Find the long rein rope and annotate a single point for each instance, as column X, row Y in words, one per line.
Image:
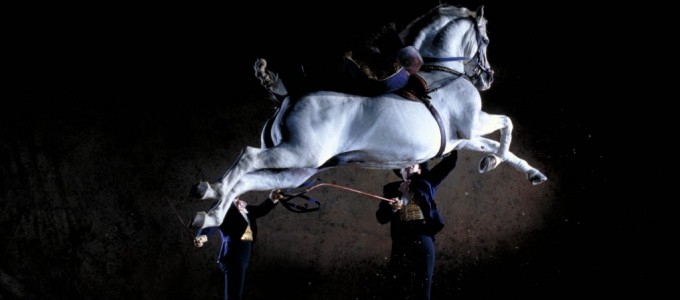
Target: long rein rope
column 291, row 196
column 288, row 198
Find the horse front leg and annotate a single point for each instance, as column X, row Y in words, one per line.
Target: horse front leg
column 488, row 124
column 488, row 163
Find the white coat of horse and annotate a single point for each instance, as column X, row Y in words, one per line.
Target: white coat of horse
column 328, row 129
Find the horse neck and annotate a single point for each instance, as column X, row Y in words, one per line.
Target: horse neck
column 443, row 55
column 456, row 45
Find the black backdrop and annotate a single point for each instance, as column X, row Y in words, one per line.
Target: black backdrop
column 103, row 96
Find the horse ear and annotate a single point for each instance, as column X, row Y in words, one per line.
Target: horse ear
column 480, row 13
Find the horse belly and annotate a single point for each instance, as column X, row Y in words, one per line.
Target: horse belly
column 394, row 131
column 373, row 132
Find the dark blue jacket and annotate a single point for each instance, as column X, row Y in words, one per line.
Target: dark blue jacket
column 425, row 186
column 234, row 225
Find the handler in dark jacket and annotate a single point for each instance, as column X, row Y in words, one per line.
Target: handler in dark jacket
column 414, row 221
column 239, row 232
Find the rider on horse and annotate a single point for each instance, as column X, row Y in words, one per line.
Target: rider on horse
column 384, row 65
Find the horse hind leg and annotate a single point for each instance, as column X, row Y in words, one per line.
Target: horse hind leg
column 219, row 191
column 207, row 191
column 251, row 159
column 204, row 190
column 261, row 180
column 279, row 157
column 264, row 180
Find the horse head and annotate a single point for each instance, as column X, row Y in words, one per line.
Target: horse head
column 456, row 38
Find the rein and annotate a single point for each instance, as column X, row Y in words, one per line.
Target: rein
column 305, row 208
column 456, row 75
column 291, row 196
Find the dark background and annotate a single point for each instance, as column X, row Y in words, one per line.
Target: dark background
column 113, row 111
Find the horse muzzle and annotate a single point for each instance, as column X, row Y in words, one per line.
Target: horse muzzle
column 484, row 79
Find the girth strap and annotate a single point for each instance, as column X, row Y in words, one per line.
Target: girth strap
column 267, row 131
column 417, row 89
column 437, row 118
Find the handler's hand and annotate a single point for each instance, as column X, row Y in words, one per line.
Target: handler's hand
column 200, row 240
column 397, row 204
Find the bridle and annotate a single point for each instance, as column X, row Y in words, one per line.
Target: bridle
column 479, row 68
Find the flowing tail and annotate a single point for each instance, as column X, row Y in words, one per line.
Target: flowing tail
column 270, row 81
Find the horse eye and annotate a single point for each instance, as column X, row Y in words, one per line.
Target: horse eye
column 485, row 40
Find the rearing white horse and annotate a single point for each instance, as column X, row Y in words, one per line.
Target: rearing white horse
column 328, row 129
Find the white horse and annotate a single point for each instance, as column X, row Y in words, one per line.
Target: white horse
column 328, row 129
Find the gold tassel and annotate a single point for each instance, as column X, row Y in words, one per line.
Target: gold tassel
column 248, row 235
column 411, row 212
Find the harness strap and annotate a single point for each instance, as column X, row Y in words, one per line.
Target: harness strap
column 456, row 75
column 267, row 132
column 303, row 208
column 442, row 130
column 426, row 100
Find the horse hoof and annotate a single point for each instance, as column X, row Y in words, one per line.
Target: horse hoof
column 488, row 163
column 536, row 177
column 197, row 221
column 200, row 191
